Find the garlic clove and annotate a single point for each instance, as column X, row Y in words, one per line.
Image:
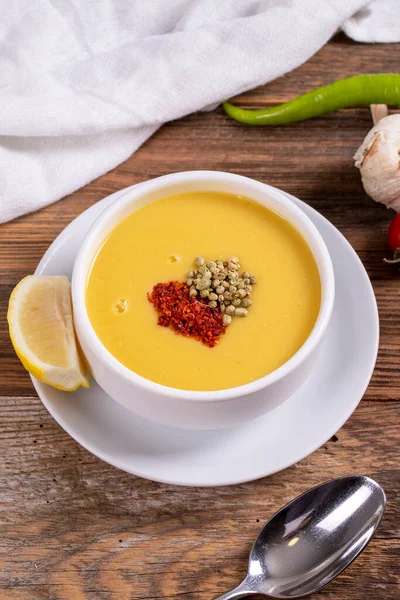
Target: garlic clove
column 378, row 159
column 378, row 112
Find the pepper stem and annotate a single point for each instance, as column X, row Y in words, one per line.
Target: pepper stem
column 395, row 259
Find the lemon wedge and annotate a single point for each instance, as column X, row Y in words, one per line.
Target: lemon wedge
column 42, row 331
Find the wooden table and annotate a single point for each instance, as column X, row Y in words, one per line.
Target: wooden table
column 75, row 528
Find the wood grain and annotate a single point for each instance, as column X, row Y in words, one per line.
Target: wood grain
column 90, row 531
column 73, row 527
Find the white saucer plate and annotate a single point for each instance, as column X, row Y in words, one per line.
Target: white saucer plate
column 246, row 452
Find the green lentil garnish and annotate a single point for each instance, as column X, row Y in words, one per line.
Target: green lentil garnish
column 221, row 285
column 227, row 319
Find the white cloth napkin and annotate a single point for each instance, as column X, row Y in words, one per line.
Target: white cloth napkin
column 84, row 84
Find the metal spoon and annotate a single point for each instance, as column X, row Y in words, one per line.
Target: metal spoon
column 312, row 539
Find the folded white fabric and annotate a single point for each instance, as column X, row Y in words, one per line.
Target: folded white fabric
column 84, row 84
column 379, row 21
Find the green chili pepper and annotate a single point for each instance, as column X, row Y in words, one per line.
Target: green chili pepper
column 353, row 91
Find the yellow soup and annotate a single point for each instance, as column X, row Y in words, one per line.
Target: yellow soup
column 158, row 243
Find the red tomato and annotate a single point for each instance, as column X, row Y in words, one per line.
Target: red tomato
column 394, row 233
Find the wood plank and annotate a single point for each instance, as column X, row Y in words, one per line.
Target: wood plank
column 76, row 528
column 340, row 58
column 311, row 160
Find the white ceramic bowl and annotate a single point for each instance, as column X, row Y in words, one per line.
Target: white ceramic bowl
column 183, row 408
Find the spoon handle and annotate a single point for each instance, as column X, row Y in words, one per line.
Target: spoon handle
column 241, row 591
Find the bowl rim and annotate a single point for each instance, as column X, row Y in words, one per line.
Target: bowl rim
column 80, row 273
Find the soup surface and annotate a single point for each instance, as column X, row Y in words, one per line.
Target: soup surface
column 158, row 243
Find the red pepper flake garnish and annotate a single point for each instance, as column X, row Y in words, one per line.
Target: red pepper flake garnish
column 185, row 314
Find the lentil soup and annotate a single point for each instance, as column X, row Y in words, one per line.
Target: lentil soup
column 158, row 243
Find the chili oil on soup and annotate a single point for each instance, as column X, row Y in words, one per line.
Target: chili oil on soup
column 158, row 243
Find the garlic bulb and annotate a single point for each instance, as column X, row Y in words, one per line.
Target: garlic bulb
column 378, row 159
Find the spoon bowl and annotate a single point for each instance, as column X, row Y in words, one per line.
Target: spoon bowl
column 312, row 539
